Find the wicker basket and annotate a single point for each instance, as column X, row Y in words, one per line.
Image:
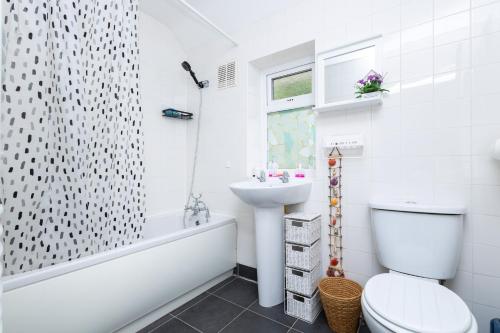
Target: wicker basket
column 341, row 299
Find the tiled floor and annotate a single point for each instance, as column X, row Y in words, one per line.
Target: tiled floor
column 231, row 306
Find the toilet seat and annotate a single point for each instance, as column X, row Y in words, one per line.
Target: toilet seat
column 404, row 303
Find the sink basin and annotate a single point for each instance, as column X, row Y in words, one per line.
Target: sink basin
column 271, row 194
column 268, row 199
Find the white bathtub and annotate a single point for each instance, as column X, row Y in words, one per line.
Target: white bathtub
column 104, row 292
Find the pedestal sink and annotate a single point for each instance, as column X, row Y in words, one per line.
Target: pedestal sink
column 268, row 200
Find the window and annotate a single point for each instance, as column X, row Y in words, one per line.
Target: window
column 291, row 137
column 291, row 129
column 290, row 89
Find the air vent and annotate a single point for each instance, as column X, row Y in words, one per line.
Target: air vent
column 226, row 75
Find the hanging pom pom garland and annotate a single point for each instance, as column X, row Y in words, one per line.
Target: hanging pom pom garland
column 335, row 268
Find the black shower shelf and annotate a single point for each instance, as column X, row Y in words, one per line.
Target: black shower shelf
column 173, row 113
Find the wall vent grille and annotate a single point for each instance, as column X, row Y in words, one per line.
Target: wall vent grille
column 226, row 75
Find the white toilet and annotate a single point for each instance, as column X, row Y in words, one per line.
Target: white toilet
column 421, row 246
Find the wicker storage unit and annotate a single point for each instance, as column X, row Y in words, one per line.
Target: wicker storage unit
column 302, row 261
column 341, row 300
column 302, row 282
column 302, row 228
column 303, row 307
column 302, row 256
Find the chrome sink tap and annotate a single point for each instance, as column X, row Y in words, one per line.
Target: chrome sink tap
column 262, row 176
column 286, row 177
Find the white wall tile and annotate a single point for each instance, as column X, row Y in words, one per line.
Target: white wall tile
column 486, row 290
column 455, row 195
column 452, row 112
column 466, row 258
column 483, row 264
column 387, row 20
column 391, row 67
column 484, row 80
column 418, row 143
column 483, row 138
column 414, row 12
column 486, row 110
column 485, row 49
column 485, row 170
column 485, row 200
column 477, row 3
column 414, row 117
column 448, row 7
column 452, row 28
column 391, row 44
column 486, row 229
column 485, row 19
column 453, row 141
column 356, row 238
column 417, row 64
column 452, row 170
column 452, row 57
column 418, row 37
column 417, row 91
column 453, row 85
column 357, row 261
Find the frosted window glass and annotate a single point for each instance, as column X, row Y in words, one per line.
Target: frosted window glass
column 291, row 138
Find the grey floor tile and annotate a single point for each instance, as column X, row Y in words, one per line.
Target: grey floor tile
column 276, row 312
column 189, row 304
column 175, row 326
column 211, row 314
column 239, row 291
column 155, row 324
column 320, row 325
column 250, row 322
column 220, row 284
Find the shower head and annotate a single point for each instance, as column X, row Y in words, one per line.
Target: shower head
column 187, row 68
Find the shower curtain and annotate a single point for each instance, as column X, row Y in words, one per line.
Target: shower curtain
column 70, row 130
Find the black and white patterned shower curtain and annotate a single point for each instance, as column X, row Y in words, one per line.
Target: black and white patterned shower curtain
column 71, row 133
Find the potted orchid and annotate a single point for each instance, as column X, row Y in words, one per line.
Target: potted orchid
column 370, row 85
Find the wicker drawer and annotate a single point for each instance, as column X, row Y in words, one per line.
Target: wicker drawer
column 302, row 282
column 303, row 257
column 302, row 232
column 302, row 307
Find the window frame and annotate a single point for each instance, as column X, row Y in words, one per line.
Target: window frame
column 266, row 91
column 293, row 102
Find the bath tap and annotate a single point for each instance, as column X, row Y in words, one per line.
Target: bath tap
column 198, row 207
column 286, row 177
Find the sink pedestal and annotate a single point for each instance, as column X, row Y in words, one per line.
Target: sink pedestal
column 269, row 199
column 270, row 254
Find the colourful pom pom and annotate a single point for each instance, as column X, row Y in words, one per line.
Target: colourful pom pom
column 332, row 162
column 334, row 201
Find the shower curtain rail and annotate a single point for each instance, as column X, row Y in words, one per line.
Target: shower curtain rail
column 207, row 21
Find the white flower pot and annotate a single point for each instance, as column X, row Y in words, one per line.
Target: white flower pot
column 371, row 95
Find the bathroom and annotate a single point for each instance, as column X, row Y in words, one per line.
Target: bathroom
column 103, row 226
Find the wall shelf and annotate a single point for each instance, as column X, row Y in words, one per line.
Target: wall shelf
column 354, row 103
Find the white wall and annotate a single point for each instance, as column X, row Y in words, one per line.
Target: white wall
column 428, row 142
column 163, row 84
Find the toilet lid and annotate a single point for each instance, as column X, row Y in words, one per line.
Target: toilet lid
column 416, row 304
